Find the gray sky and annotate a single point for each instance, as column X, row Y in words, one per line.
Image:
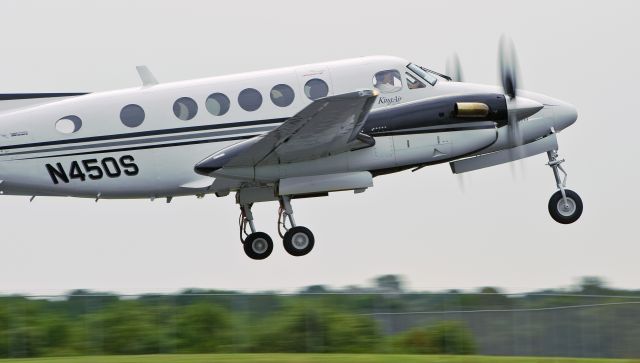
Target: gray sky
column 494, row 231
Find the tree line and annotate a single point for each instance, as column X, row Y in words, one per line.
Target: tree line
column 384, row 318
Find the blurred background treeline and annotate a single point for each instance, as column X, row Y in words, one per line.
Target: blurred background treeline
column 586, row 320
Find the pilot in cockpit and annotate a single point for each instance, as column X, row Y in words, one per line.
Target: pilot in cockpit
column 386, row 81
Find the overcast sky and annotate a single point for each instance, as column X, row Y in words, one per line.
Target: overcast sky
column 495, row 230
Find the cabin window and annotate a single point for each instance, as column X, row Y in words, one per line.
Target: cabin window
column 250, row 99
column 185, row 108
column 132, row 115
column 69, row 124
column 218, row 104
column 282, row 95
column 413, row 83
column 387, row 81
column 316, row 88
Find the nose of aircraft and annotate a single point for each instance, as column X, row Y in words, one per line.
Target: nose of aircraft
column 565, row 115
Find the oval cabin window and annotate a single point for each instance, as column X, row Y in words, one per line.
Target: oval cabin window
column 250, row 99
column 132, row 115
column 282, row 95
column 217, row 104
column 185, row 108
column 69, row 124
column 316, row 88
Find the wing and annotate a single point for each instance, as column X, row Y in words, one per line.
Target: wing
column 327, row 126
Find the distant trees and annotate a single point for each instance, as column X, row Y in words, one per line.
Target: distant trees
column 123, row 328
column 444, row 337
column 390, row 283
column 203, row 328
column 378, row 318
column 309, row 327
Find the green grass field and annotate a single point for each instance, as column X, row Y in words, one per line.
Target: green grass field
column 311, row 358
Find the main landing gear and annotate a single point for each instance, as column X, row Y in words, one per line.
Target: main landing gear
column 297, row 240
column 565, row 206
column 257, row 245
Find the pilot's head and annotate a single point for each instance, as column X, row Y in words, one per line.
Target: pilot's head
column 384, row 77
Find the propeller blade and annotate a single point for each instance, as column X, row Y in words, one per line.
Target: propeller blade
column 454, row 69
column 508, row 66
column 515, row 134
column 519, row 108
column 461, row 183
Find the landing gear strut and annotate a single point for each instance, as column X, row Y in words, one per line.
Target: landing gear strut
column 297, row 240
column 257, row 245
column 565, row 206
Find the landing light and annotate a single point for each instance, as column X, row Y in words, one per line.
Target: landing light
column 471, row 109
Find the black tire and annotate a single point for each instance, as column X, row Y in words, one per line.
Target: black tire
column 298, row 241
column 556, row 207
column 258, row 246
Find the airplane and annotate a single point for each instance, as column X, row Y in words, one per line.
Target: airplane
column 277, row 135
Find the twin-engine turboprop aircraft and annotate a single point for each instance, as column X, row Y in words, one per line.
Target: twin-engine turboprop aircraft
column 276, row 135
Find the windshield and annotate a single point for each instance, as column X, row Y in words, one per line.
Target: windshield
column 423, row 73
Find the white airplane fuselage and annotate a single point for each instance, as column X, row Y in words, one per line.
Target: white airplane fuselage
column 107, row 159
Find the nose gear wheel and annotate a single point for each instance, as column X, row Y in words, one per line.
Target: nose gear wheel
column 565, row 206
column 565, row 210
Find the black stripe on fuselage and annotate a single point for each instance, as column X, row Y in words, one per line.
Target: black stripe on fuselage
column 30, row 96
column 147, row 140
column 145, row 133
column 435, row 130
column 244, row 137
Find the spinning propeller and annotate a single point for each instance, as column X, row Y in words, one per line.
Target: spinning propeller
column 508, row 68
column 519, row 108
column 454, row 69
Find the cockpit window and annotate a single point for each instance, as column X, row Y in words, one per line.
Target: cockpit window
column 413, row 82
column 423, row 73
column 387, row 81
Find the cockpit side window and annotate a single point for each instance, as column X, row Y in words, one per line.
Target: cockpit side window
column 422, row 73
column 387, row 81
column 413, row 82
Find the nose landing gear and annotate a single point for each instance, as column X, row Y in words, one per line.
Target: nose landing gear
column 565, row 206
